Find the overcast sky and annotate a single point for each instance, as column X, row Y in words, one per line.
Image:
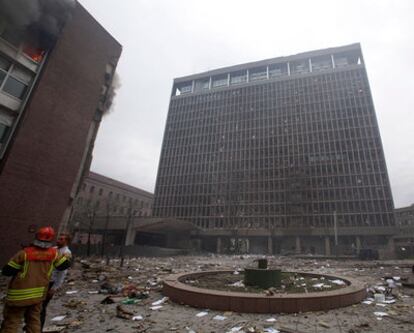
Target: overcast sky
column 164, row 39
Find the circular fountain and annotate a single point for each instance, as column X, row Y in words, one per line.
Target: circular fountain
column 263, row 290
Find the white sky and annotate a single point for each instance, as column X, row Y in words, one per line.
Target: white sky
column 164, row 39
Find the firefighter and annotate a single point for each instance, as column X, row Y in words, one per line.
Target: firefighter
column 30, row 269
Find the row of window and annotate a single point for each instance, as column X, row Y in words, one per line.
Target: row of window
column 15, row 81
column 107, row 207
column 116, row 197
column 286, row 222
column 308, row 65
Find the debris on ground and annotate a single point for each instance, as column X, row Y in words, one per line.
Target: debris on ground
column 107, row 298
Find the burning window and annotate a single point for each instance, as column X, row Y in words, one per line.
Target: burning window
column 35, row 53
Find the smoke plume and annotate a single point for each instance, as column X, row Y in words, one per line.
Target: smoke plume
column 49, row 16
column 115, row 85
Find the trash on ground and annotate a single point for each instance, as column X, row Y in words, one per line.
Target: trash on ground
column 157, row 307
column 53, row 329
column 218, row 317
column 271, row 320
column 161, row 301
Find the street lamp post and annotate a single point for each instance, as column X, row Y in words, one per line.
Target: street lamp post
column 129, row 219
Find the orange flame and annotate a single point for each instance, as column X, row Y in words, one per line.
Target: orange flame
column 34, row 53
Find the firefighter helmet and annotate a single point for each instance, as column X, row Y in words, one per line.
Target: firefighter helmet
column 45, row 234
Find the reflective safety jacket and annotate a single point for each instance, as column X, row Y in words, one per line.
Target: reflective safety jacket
column 31, row 269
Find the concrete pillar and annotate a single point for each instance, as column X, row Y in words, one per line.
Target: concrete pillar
column 333, row 61
column 327, row 246
column 269, row 245
column 130, row 236
column 358, row 244
column 219, row 245
column 297, row 245
column 391, row 248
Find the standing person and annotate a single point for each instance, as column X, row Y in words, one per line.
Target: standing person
column 31, row 269
column 58, row 277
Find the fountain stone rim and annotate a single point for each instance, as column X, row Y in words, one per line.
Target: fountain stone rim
column 182, row 293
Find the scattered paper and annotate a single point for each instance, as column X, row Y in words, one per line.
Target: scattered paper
column 218, row 317
column 389, row 301
column 271, row 330
column 137, row 318
column 235, row 329
column 157, row 307
column 380, row 314
column 161, row 301
column 93, row 292
column 338, row 282
column 239, row 284
column 70, row 292
column 202, row 314
column 58, row 318
column 367, row 302
column 271, row 320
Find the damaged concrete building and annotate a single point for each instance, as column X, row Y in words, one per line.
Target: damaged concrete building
column 277, row 156
column 56, row 71
column 107, row 199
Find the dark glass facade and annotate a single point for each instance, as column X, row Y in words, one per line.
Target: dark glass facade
column 277, row 144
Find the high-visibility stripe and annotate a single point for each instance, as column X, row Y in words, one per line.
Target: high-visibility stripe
column 61, row 261
column 14, row 264
column 25, row 291
column 24, row 297
column 23, row 294
column 52, row 266
column 25, row 267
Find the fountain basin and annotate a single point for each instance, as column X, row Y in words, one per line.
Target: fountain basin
column 182, row 293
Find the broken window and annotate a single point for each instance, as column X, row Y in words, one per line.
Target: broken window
column 203, row 84
column 346, row 59
column 259, row 73
column 238, row 77
column 183, row 88
column 300, row 67
column 277, row 70
column 220, row 81
column 322, row 63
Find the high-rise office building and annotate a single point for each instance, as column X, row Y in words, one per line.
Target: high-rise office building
column 286, row 149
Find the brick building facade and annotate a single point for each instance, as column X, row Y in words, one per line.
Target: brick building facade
column 52, row 99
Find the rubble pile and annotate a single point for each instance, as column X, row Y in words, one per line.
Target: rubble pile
column 100, row 297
